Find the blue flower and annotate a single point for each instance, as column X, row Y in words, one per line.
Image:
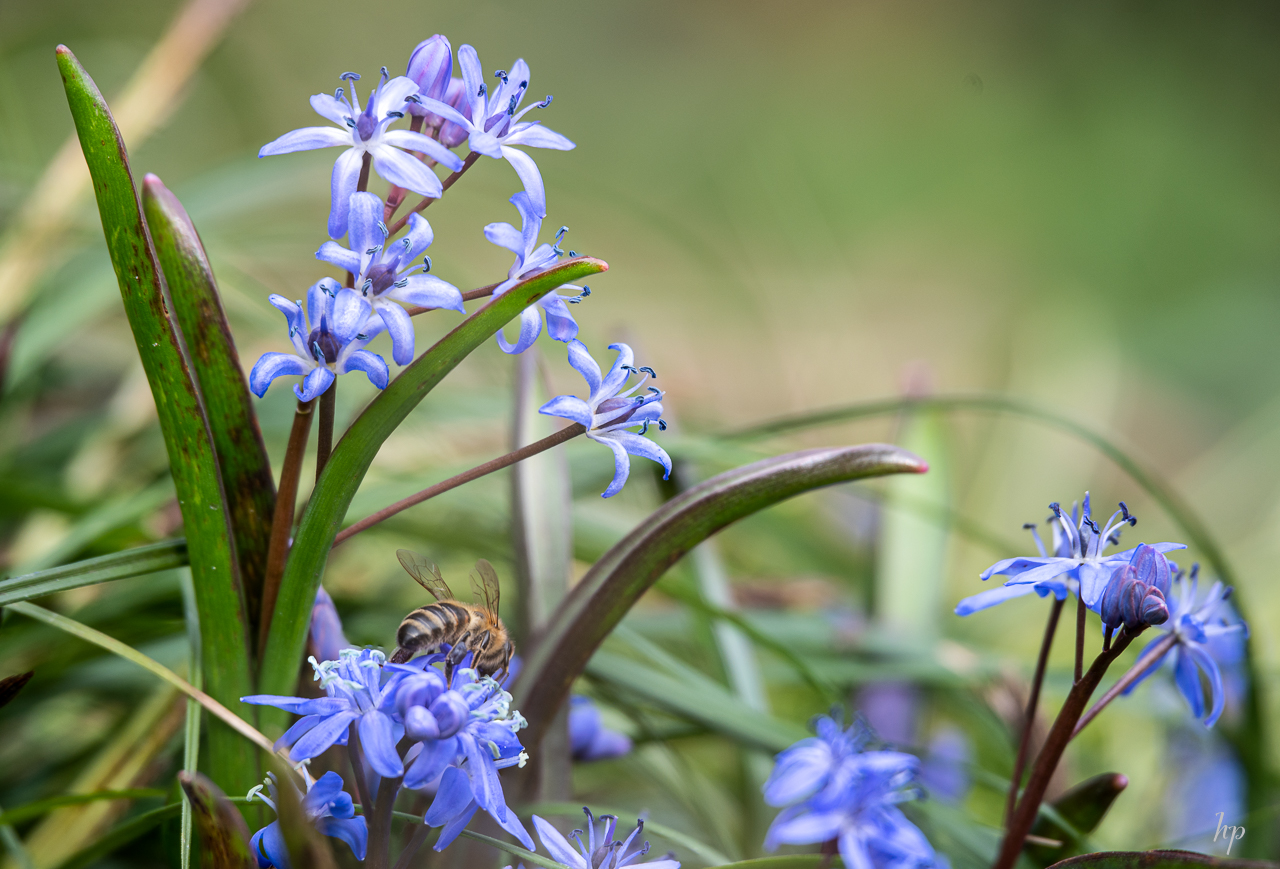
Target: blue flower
column 1136, row 595
column 326, row 805
column 463, row 734
column 328, row 339
column 431, row 68
column 1204, row 626
column 494, row 126
column 608, row 411
column 1078, row 564
column 532, row 257
column 364, row 131
column 832, row 790
column 600, row 852
column 589, row 739
column 359, row 690
column 386, row 274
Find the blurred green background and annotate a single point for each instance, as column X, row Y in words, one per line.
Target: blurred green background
column 802, row 205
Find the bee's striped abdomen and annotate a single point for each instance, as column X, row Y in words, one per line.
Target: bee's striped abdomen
column 429, row 626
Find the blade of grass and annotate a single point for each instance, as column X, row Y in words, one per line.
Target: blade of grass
column 355, row 453
column 191, row 732
column 237, row 439
column 183, row 421
column 105, row 568
column 43, row 807
column 88, row 634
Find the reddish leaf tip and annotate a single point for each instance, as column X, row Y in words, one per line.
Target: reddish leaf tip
column 922, row 468
column 63, row 50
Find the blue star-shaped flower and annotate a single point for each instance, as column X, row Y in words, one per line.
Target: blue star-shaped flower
column 326, row 805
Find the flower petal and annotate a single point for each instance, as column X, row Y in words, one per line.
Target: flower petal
column 400, row 328
column 419, row 238
column 639, row 445
column 436, row 754
column 320, row 379
column 429, row 292
column 1217, row 696
column 455, row 827
column 346, row 176
column 452, row 797
column 991, row 597
column 568, row 407
column 411, row 141
column 350, row 310
column 366, row 234
column 379, row 744
column 530, row 329
column 332, row 252
column 353, row 831
column 322, row 736
column 299, row 727
column 621, row 464
column 529, row 176
column 618, row 373
column 473, row 81
column 392, row 94
column 446, row 111
column 1188, row 680
column 506, row 235
column 557, row 845
column 336, row 110
column 538, row 136
column 273, row 365
column 560, row 323
column 404, row 171
column 371, row 364
column 306, row 139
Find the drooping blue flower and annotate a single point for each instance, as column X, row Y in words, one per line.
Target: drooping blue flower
column 1136, row 595
column 325, row 637
column 1078, row 564
column 364, row 131
column 944, row 770
column 386, row 274
column 531, row 258
column 463, row 733
column 1203, row 625
column 832, row 790
column 493, row 125
column 589, row 739
column 326, row 805
column 609, row 412
column 359, row 690
column 598, row 852
column 328, row 341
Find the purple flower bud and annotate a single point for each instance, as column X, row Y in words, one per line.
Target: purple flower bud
column 420, row 725
column 1155, row 610
column 1132, row 594
column 419, row 691
column 451, row 135
column 1153, row 568
column 327, row 639
column 451, row 711
column 431, row 66
column 589, row 739
column 1110, row 605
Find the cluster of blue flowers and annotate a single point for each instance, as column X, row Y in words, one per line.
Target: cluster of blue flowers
column 1132, row 590
column 331, row 331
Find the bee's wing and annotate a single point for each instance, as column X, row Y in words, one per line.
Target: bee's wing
column 487, row 589
column 426, row 573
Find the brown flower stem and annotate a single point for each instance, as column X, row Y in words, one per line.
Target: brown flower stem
column 566, row 433
column 379, row 821
column 445, row 185
column 324, row 437
column 1024, row 816
column 282, row 518
column 1135, row 672
column 419, row 839
column 478, row 293
column 1081, row 611
column 362, row 184
column 1024, row 742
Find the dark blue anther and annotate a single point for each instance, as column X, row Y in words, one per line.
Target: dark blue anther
column 647, row 370
column 573, row 253
column 385, row 74
column 337, row 95
column 511, row 105
column 1027, row 526
column 395, row 114
column 545, row 103
column 483, row 91
column 1195, row 571
column 426, row 263
column 413, row 98
column 350, row 76
column 366, row 286
column 350, row 123
column 500, row 73
column 360, row 336
column 662, row 424
column 645, row 428
column 655, row 390
column 382, row 227
column 401, row 284
column 1056, row 508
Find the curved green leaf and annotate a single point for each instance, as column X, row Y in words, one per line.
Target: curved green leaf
column 1158, row 860
column 183, row 420
column 355, row 452
column 1082, row 808
column 43, row 807
column 242, row 456
column 224, row 836
column 105, row 568
column 616, row 581
column 131, row 830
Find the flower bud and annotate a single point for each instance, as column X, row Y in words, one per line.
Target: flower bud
column 419, row 690
column 431, row 66
column 1132, row 594
column 327, row 639
column 420, row 724
column 1155, row 611
column 1110, row 605
column 451, row 711
column 451, row 135
column 1152, row 568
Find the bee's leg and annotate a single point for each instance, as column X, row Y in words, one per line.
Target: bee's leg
column 456, row 654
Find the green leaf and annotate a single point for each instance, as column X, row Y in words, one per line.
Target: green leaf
column 711, row 856
column 43, row 807
column 1158, row 860
column 105, row 568
column 1082, row 808
column 183, row 420
column 224, row 836
column 607, row 592
column 355, row 452
column 695, row 697
column 131, row 830
column 242, row 456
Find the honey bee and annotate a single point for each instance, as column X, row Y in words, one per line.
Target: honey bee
column 465, row 627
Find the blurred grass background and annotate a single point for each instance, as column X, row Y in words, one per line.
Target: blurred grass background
column 803, row 205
